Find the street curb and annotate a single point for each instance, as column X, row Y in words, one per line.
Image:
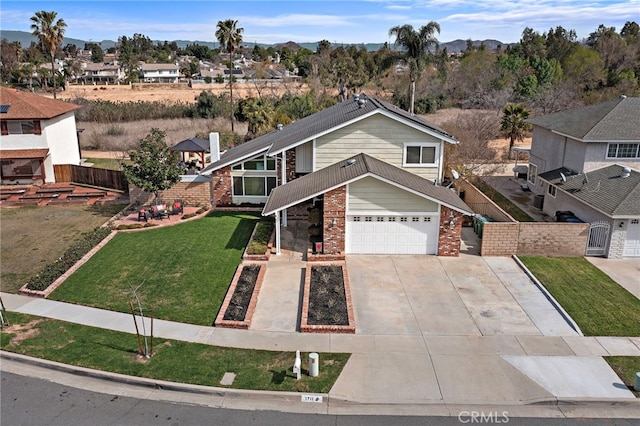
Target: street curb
column 549, row 297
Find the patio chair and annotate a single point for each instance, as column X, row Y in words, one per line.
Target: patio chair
column 177, row 207
column 159, row 211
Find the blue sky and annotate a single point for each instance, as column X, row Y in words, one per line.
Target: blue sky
column 364, row 21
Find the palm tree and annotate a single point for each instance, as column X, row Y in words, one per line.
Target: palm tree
column 230, row 38
column 50, row 33
column 416, row 46
column 513, row 123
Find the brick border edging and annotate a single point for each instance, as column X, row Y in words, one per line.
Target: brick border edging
column 58, row 282
column 220, row 321
column 343, row 329
column 259, row 257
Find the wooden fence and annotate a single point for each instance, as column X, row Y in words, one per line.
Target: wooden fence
column 102, row 178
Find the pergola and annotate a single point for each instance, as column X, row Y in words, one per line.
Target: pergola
column 195, row 145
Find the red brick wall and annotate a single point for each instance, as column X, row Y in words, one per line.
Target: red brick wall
column 449, row 233
column 335, row 203
column 291, row 165
column 221, row 186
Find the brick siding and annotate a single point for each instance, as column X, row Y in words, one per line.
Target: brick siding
column 221, row 186
column 192, row 193
column 335, row 202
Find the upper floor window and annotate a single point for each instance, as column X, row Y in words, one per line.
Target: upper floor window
column 533, row 173
column 623, row 150
column 420, row 154
column 552, row 190
column 261, row 163
column 21, row 128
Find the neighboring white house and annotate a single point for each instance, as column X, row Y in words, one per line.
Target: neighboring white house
column 374, row 168
column 586, row 161
column 159, row 73
column 37, row 133
column 101, row 73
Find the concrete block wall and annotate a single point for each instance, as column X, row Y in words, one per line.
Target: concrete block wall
column 556, row 239
column 221, row 185
column 192, row 193
column 450, row 231
column 499, row 238
column 617, row 240
column 335, row 206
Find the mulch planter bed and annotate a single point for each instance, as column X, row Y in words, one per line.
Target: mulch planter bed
column 327, row 306
column 242, row 296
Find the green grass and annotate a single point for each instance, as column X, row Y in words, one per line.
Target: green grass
column 181, row 271
column 626, row 368
column 599, row 305
column 172, row 360
column 105, row 163
column 516, row 212
column 260, row 241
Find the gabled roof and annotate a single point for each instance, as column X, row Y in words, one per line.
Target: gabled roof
column 314, row 125
column 354, row 169
column 608, row 121
column 604, row 189
column 192, row 145
column 29, row 106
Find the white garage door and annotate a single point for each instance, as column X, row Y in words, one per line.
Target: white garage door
column 632, row 243
column 409, row 234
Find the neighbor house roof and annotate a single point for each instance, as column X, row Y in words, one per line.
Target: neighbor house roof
column 355, row 168
column 604, row 122
column 192, row 145
column 29, row 106
column 605, row 189
column 315, row 125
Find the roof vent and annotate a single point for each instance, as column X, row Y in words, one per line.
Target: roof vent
column 356, row 97
column 361, row 102
column 626, row 172
column 623, row 96
column 351, row 162
column 279, row 127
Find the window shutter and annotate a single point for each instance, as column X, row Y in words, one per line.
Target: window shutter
column 5, row 129
column 37, row 130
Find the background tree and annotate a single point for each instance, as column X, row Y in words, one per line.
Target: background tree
column 230, row 38
column 50, row 33
column 153, row 166
column 9, row 54
column 416, row 46
column 513, row 124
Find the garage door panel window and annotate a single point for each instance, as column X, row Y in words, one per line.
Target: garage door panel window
column 421, row 155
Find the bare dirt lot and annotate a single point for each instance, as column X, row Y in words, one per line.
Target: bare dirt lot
column 33, row 237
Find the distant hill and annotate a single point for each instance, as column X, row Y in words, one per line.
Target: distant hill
column 25, row 38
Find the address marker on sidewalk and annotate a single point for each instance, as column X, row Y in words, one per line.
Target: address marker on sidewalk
column 311, row 398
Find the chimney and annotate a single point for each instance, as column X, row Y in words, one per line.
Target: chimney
column 214, row 146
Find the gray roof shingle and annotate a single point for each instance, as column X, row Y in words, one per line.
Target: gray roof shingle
column 192, row 145
column 604, row 189
column 357, row 167
column 313, row 125
column 608, row 121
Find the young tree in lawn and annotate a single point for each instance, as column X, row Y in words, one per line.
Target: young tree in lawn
column 154, row 166
column 513, row 124
column 50, row 33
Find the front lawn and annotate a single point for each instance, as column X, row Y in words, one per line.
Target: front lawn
column 599, row 305
column 626, row 368
column 180, row 271
column 173, row 360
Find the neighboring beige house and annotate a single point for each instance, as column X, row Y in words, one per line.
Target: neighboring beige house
column 374, row 169
column 37, row 133
column 159, row 73
column 100, row 73
column 587, row 161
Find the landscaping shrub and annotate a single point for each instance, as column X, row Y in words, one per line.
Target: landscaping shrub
column 54, row 270
column 260, row 241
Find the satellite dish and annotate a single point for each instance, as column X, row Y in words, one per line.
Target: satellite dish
column 455, row 174
column 563, row 178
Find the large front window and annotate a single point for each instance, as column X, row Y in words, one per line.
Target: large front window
column 420, row 154
column 30, row 127
column 623, row 150
column 253, row 186
column 261, row 162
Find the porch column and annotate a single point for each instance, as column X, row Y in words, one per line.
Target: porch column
column 277, row 223
column 283, row 177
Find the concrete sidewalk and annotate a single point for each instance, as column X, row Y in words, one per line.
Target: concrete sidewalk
column 411, row 369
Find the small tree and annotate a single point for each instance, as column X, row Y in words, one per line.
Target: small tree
column 154, row 166
column 513, row 124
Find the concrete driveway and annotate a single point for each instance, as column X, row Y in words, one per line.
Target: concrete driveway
column 440, row 296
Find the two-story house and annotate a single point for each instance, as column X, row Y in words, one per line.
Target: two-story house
column 374, row 169
column 37, row 133
column 101, row 73
column 159, row 73
column 587, row 161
